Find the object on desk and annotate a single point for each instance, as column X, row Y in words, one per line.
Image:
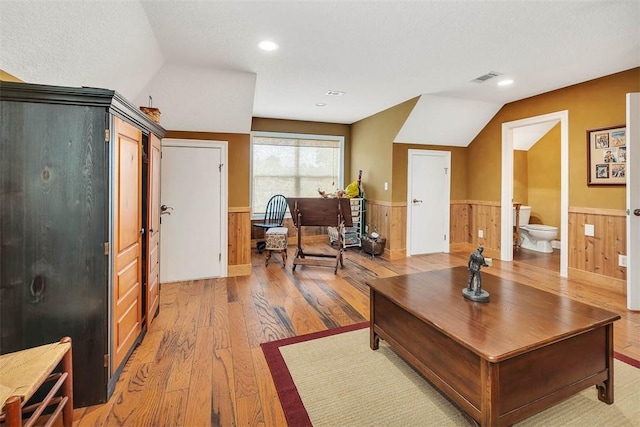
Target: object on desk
column 23, row 373
column 474, row 291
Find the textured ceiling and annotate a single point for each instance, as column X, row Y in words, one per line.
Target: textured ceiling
column 380, row 53
column 384, row 52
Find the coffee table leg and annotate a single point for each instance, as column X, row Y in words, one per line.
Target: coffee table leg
column 374, row 339
column 605, row 388
column 489, row 374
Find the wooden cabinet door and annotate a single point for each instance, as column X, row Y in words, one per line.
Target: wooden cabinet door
column 127, row 239
column 153, row 234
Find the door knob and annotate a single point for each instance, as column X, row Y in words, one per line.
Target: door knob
column 165, row 210
column 636, row 212
column 417, row 201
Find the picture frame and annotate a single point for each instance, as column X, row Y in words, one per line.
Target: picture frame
column 607, row 156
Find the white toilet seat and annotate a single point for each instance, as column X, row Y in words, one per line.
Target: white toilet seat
column 540, row 227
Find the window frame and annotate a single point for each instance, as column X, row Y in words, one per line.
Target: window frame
column 339, row 138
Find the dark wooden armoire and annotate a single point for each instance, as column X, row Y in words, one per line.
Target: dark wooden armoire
column 79, row 232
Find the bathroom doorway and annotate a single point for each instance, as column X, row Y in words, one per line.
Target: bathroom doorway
column 509, row 131
column 536, row 186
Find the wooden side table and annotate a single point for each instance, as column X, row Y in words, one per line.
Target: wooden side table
column 22, row 373
column 516, row 226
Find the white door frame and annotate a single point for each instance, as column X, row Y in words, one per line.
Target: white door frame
column 633, row 222
column 224, row 188
column 447, row 156
column 506, row 230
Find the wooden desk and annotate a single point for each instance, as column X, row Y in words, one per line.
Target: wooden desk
column 313, row 211
column 502, row 361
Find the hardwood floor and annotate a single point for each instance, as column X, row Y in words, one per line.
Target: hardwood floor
column 541, row 260
column 200, row 363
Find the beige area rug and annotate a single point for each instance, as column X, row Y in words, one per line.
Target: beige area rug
column 340, row 381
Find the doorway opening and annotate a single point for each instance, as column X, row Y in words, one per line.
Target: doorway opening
column 508, row 130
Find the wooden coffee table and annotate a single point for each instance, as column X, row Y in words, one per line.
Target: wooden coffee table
column 501, row 361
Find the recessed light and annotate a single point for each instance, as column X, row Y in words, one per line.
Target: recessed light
column 320, row 104
column 505, row 82
column 268, row 45
column 335, row 93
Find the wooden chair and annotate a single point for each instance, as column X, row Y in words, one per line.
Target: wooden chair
column 273, row 216
column 24, row 372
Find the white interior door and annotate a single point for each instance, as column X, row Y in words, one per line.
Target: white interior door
column 193, row 193
column 633, row 201
column 428, row 190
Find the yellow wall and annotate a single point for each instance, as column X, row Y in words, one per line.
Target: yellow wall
column 310, row 128
column 520, row 177
column 239, row 154
column 594, row 104
column 372, row 150
column 400, row 168
column 544, row 179
column 6, row 77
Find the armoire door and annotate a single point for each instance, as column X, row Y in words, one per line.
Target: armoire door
column 153, row 235
column 127, row 239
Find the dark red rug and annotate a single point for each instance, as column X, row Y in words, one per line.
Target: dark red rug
column 294, row 410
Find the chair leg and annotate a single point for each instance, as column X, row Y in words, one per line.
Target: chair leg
column 67, row 388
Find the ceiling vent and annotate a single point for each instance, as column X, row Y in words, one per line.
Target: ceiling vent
column 486, row 77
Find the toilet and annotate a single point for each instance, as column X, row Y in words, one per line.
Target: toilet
column 536, row 237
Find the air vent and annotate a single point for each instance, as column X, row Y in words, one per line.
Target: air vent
column 486, row 77
column 334, row 93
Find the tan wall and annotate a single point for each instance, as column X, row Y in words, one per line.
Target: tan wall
column 239, row 152
column 372, row 149
column 6, row 77
column 259, row 124
column 520, row 177
column 544, row 179
column 594, row 104
column 400, row 168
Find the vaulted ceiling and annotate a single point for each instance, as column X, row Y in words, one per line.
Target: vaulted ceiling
column 200, row 62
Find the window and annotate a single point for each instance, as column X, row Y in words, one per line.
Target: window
column 294, row 165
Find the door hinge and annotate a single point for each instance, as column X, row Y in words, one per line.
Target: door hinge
column 220, row 167
column 219, row 257
column 107, row 135
column 445, row 237
column 106, row 360
column 106, row 248
column 446, row 171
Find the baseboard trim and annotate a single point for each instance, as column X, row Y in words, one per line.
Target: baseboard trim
column 239, row 270
column 393, row 254
column 612, row 283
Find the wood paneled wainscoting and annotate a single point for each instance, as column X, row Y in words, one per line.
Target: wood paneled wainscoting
column 467, row 218
column 595, row 258
column 389, row 219
column 239, row 241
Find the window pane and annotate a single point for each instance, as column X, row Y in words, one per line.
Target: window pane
column 295, row 167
